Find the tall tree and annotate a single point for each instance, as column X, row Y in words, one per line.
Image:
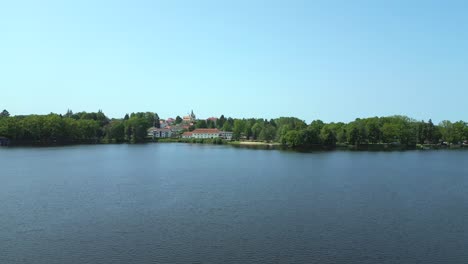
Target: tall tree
column 210, row 123
column 430, row 132
column 201, row 124
column 221, row 121
column 4, row 113
column 238, row 128
column 157, row 123
column 328, row 136
column 357, row 133
column 373, row 129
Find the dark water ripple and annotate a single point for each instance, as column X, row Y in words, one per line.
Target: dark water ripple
column 175, row 203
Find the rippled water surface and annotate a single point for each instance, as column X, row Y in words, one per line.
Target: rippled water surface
column 176, row 203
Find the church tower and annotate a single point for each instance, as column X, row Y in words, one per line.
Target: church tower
column 192, row 116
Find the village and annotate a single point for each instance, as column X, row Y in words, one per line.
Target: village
column 185, row 129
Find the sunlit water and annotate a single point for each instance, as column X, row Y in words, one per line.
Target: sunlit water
column 176, row 203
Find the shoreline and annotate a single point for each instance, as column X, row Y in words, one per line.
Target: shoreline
column 254, row 145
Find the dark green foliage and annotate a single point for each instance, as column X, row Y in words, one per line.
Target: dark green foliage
column 94, row 127
column 357, row 132
column 201, row 124
column 328, row 135
column 210, row 124
column 115, row 131
column 221, row 122
column 153, row 118
column 72, row 128
column 50, row 128
column 4, row 113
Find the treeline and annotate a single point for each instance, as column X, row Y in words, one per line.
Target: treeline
column 73, row 128
column 294, row 132
column 96, row 127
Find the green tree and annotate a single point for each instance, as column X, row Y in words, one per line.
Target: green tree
column 293, row 139
column 390, row 132
column 210, row 124
column 221, row 121
column 4, row 113
column 227, row 127
column 178, row 120
column 257, row 129
column 238, row 128
column 201, row 124
column 115, row 131
column 357, row 132
column 136, row 128
column 268, row 133
column 458, row 133
column 373, row 129
column 156, row 120
column 328, row 136
column 421, row 132
column 430, row 132
column 447, row 131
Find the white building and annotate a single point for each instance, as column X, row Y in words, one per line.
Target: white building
column 205, row 133
column 187, row 135
column 160, row 132
column 225, row 135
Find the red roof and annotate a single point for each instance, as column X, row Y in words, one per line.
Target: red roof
column 206, row 131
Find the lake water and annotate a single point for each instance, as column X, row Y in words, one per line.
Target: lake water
column 181, row 203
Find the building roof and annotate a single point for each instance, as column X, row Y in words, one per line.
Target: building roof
column 159, row 129
column 206, row 131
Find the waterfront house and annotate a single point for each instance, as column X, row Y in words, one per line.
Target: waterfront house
column 160, row 132
column 205, row 133
column 225, row 135
column 187, row 135
column 4, row 141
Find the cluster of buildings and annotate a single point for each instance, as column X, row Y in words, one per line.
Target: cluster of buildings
column 169, row 129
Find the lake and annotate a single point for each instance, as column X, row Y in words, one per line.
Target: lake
column 182, row 203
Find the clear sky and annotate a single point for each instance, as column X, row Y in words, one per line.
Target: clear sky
column 332, row 60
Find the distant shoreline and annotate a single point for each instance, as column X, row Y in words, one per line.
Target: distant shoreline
column 252, row 145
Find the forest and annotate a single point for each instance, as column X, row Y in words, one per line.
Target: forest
column 96, row 127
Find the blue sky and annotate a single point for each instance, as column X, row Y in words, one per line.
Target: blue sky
column 329, row 60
